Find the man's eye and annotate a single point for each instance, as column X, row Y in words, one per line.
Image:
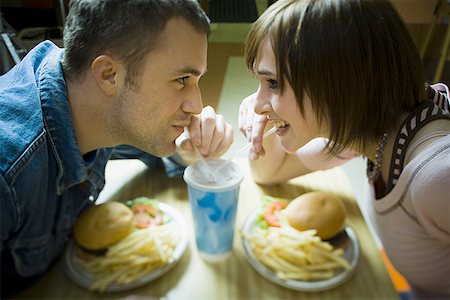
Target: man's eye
column 273, row 84
column 183, row 79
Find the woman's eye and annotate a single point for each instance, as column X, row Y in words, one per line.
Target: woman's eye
column 183, row 79
column 273, row 84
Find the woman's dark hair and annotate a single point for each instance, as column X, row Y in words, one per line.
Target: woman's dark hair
column 355, row 59
column 127, row 29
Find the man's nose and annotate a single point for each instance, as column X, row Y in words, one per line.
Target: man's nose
column 193, row 103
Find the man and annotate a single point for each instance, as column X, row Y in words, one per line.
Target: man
column 128, row 75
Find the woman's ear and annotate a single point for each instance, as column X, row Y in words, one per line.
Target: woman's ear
column 107, row 73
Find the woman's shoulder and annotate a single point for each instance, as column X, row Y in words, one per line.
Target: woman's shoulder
column 429, row 190
column 430, row 169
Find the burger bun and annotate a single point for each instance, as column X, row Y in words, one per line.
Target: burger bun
column 103, row 225
column 322, row 211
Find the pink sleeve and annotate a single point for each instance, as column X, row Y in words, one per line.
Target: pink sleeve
column 314, row 157
column 441, row 87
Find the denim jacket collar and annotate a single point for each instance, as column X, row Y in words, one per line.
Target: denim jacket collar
column 73, row 169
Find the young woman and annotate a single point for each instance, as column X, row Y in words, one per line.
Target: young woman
column 343, row 78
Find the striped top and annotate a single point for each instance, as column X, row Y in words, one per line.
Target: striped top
column 437, row 107
column 412, row 219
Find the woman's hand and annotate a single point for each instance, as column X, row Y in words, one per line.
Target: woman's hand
column 208, row 132
column 252, row 125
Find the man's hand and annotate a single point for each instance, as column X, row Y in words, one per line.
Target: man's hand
column 208, row 132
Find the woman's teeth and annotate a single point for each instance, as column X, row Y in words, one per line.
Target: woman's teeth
column 280, row 124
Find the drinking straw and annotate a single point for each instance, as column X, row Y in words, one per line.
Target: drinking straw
column 249, row 145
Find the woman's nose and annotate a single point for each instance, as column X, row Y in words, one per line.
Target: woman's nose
column 262, row 105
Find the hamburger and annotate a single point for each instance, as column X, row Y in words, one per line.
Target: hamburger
column 103, row 225
column 322, row 211
column 100, row 226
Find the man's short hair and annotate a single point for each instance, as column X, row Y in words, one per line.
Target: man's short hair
column 128, row 30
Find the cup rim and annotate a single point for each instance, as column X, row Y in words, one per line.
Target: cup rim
column 233, row 184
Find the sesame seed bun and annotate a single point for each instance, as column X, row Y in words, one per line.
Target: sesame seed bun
column 100, row 226
column 322, row 211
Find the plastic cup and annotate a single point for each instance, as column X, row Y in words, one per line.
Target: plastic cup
column 213, row 199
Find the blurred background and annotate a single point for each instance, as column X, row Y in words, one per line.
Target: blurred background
column 24, row 23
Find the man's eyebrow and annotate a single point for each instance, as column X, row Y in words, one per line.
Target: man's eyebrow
column 190, row 70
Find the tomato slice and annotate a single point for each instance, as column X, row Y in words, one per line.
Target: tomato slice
column 146, row 215
column 271, row 212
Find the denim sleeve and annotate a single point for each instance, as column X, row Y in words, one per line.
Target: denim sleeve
column 8, row 213
column 173, row 165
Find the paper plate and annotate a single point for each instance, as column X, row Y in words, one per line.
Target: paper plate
column 347, row 240
column 84, row 278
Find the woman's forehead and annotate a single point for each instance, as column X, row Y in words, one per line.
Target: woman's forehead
column 265, row 57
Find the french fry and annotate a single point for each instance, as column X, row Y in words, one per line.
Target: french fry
column 296, row 255
column 135, row 256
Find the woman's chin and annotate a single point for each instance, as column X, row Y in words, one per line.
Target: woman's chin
column 290, row 146
column 290, row 142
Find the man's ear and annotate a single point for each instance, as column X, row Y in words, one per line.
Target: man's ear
column 107, row 73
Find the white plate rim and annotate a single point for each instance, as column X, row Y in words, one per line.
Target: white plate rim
column 85, row 279
column 299, row 285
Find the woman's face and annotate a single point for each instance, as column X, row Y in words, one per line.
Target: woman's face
column 282, row 110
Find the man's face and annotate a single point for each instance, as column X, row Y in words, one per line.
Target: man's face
column 152, row 115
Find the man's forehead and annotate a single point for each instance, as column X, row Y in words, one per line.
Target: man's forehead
column 180, row 49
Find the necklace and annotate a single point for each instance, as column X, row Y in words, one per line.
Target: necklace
column 373, row 168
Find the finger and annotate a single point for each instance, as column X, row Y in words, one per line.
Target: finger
column 195, row 131
column 242, row 118
column 256, row 152
column 218, row 135
column 248, row 132
column 183, row 142
column 185, row 148
column 247, row 124
column 256, row 137
column 208, row 126
column 226, row 142
column 246, row 115
column 256, row 155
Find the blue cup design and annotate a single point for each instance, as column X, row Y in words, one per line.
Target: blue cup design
column 214, row 207
column 215, row 216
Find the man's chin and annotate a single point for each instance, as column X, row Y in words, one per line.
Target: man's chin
column 163, row 152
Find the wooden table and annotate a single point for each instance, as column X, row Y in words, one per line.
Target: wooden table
column 192, row 278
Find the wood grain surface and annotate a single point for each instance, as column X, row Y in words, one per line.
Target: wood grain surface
column 192, row 278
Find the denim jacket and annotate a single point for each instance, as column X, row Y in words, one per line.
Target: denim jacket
column 45, row 182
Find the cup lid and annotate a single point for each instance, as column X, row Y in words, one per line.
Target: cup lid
column 218, row 175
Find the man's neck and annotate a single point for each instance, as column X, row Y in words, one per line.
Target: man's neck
column 86, row 102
